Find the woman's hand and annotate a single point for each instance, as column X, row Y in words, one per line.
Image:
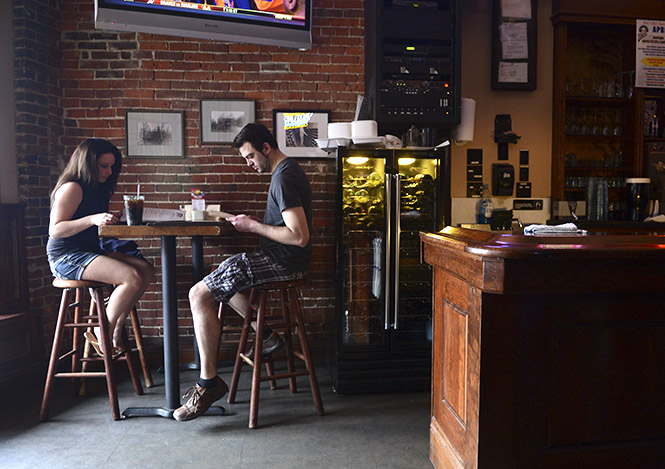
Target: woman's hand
column 100, row 219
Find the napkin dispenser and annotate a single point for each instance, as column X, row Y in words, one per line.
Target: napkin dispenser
column 503, row 179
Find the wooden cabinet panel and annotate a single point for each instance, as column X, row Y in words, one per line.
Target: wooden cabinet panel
column 20, row 331
column 13, row 272
column 455, row 350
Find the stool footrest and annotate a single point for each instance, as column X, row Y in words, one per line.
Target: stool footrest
column 80, row 324
column 281, row 325
column 246, row 359
column 81, row 374
column 67, row 354
column 284, row 375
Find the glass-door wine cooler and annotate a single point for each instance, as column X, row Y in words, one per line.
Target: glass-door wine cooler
column 382, row 327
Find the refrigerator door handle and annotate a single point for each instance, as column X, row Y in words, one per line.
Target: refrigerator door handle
column 389, row 193
column 398, row 199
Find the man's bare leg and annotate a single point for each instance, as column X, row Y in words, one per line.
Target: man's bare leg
column 206, row 327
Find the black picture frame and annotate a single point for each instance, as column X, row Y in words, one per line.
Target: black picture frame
column 154, row 134
column 514, row 62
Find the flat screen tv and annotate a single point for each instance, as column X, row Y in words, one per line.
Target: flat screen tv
column 284, row 23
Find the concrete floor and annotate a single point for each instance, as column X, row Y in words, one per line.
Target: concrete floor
column 358, row 431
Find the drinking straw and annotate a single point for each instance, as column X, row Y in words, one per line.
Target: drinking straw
column 138, row 190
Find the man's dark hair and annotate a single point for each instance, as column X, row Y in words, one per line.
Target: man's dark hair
column 256, row 135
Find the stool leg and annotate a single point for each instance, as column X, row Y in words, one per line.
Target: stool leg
column 86, row 354
column 270, row 370
column 288, row 341
column 53, row 362
column 105, row 340
column 256, row 369
column 86, row 350
column 138, row 337
column 130, row 358
column 76, row 339
column 246, row 326
column 305, row 351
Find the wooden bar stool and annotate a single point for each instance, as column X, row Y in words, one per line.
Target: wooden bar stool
column 78, row 323
column 138, row 347
column 288, row 291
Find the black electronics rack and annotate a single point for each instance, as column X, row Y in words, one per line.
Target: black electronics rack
column 412, row 63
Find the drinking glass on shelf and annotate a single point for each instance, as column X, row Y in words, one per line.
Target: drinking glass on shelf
column 607, row 124
column 586, row 122
column 618, row 88
column 576, row 125
column 617, row 123
column 568, row 122
column 595, row 122
column 630, row 86
column 584, row 87
column 610, row 87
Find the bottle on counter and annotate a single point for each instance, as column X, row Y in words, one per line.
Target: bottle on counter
column 484, row 207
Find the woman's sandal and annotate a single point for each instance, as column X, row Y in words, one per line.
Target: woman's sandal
column 90, row 337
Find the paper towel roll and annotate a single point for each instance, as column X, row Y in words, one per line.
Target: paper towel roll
column 464, row 131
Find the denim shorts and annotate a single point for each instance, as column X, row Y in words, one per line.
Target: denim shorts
column 71, row 266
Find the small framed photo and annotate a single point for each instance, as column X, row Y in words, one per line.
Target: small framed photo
column 222, row 119
column 297, row 131
column 155, row 134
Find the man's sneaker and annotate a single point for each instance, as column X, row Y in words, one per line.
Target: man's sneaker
column 200, row 399
column 271, row 344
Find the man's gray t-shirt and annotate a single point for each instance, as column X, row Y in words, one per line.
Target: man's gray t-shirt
column 289, row 188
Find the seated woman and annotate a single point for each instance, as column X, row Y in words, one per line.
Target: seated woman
column 79, row 205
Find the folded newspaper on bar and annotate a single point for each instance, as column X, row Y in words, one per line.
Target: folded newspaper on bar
column 553, row 230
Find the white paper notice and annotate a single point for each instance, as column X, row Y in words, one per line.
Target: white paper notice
column 513, row 72
column 650, row 54
column 514, row 44
column 516, row 9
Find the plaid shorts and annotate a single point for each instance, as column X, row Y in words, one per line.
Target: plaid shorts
column 242, row 271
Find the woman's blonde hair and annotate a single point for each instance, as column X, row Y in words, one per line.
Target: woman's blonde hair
column 82, row 167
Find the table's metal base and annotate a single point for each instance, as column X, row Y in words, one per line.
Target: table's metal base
column 164, row 412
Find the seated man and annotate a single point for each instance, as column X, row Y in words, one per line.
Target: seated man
column 284, row 255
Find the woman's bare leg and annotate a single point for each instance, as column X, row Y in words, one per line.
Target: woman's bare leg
column 130, row 275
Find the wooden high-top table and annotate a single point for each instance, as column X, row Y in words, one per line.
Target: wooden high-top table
column 168, row 233
column 548, row 351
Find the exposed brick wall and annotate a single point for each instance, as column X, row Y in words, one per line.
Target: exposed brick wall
column 38, row 137
column 92, row 78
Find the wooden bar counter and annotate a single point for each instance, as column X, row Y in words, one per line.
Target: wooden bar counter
column 548, row 352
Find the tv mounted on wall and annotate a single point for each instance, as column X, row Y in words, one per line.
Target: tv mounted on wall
column 286, row 23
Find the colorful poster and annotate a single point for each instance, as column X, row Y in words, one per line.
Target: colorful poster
column 650, row 54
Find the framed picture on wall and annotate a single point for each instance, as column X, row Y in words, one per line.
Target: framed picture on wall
column 222, row 119
column 296, row 132
column 155, row 134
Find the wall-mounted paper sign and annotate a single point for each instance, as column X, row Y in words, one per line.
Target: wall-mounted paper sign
column 514, row 43
column 650, row 54
column 513, row 72
column 516, row 8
